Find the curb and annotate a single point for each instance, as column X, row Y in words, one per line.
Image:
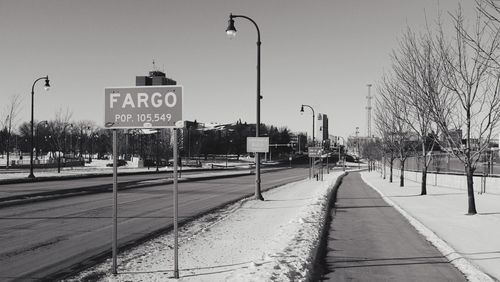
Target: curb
column 470, row 271
column 318, row 251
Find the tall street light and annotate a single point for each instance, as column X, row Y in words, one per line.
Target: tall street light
column 231, row 32
column 302, row 110
column 343, row 144
column 311, row 160
column 47, row 87
column 359, row 153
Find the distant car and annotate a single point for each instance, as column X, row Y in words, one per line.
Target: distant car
column 118, row 163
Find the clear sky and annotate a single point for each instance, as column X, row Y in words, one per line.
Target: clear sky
column 316, row 52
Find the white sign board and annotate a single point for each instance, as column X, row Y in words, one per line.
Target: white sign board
column 257, row 144
column 315, row 152
column 158, row 106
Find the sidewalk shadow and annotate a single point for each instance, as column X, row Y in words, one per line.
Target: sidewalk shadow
column 488, row 213
column 300, row 199
column 216, row 269
column 472, row 255
column 359, row 262
column 361, row 207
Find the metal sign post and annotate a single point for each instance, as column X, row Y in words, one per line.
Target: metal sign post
column 313, row 153
column 310, row 175
column 143, row 107
column 176, row 202
column 115, row 203
column 327, row 165
column 257, row 145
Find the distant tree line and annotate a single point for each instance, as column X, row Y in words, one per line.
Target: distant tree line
column 63, row 137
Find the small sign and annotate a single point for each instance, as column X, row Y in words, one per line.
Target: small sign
column 257, row 144
column 315, row 152
column 143, row 106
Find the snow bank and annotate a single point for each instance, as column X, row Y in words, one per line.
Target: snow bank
column 247, row 241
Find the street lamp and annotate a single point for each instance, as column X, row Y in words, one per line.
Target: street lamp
column 231, row 32
column 311, row 160
column 359, row 153
column 302, row 110
column 47, row 87
column 343, row 144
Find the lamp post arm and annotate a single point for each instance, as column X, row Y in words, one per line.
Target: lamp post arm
column 33, row 87
column 254, row 23
column 313, row 121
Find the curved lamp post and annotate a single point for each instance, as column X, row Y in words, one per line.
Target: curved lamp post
column 231, row 32
column 302, row 110
column 47, row 87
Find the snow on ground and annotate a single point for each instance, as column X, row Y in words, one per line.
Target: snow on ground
column 441, row 217
column 99, row 167
column 271, row 240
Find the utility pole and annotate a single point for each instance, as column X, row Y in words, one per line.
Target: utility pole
column 357, row 143
column 369, row 112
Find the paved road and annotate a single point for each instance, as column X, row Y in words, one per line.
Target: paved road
column 40, row 239
column 21, row 189
column 370, row 241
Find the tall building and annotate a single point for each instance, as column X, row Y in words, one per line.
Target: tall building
column 322, row 129
column 154, row 78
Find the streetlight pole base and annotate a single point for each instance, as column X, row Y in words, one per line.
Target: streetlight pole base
column 31, row 176
column 259, row 197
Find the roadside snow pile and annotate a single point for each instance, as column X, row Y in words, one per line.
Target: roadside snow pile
column 246, row 241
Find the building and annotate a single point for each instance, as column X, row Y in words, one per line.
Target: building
column 322, row 136
column 456, row 137
column 154, row 78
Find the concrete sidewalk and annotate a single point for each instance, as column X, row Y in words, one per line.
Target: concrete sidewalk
column 369, row 240
column 470, row 242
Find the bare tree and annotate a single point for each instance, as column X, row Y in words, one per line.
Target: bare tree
column 83, row 129
column 418, row 69
column 385, row 130
column 471, row 102
column 10, row 120
column 395, row 109
column 58, row 129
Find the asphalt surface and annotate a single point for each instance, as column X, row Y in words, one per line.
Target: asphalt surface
column 49, row 239
column 19, row 190
column 369, row 240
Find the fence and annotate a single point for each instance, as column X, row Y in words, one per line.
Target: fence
column 450, row 175
column 449, row 163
